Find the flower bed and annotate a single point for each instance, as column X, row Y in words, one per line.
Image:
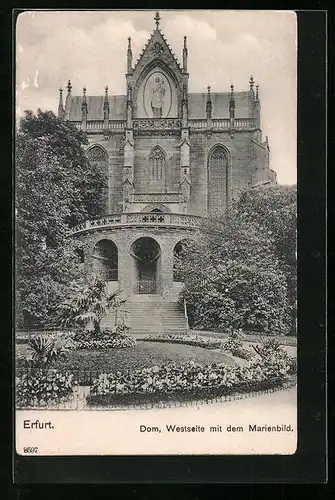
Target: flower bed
column 192, row 340
column 40, row 387
column 248, row 336
column 187, row 382
column 104, row 340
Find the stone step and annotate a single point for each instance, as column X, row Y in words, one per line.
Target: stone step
column 146, row 314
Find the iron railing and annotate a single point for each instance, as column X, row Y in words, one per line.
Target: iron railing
column 143, row 286
column 87, row 389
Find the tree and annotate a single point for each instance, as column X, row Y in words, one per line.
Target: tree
column 236, row 272
column 274, row 210
column 52, row 194
column 66, row 143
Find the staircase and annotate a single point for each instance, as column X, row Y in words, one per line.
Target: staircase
column 147, row 314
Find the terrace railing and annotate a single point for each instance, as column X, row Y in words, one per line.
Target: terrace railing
column 139, row 219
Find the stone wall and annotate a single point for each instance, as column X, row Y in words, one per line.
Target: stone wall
column 142, row 174
column 114, row 147
column 246, row 156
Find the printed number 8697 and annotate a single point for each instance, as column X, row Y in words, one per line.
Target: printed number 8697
column 30, row 449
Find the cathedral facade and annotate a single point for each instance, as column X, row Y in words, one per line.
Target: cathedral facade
column 171, row 158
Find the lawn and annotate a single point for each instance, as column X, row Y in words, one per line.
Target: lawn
column 144, row 355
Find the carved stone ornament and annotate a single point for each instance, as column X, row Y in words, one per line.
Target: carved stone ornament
column 157, row 124
column 157, row 49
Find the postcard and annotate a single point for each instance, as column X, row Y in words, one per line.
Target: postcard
column 155, row 219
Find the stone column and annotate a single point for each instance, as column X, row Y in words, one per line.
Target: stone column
column 166, row 269
column 128, row 170
column 125, row 264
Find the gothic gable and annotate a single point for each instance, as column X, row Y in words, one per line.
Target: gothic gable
column 157, row 79
column 156, row 48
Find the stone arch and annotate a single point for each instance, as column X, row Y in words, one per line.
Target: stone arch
column 105, row 260
column 165, row 68
column 146, row 253
column 156, row 207
column 218, row 179
column 178, row 250
column 96, row 152
column 98, row 156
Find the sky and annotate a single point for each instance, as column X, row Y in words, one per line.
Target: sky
column 224, row 47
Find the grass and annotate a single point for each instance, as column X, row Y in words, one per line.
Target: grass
column 144, row 355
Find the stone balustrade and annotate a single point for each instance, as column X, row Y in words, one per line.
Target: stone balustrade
column 243, row 122
column 143, row 124
column 198, row 124
column 221, row 123
column 116, row 124
column 139, row 219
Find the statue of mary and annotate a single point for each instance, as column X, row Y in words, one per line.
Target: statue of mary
column 157, row 99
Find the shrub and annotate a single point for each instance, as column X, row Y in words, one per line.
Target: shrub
column 293, row 366
column 40, row 387
column 235, row 347
column 43, row 351
column 269, row 347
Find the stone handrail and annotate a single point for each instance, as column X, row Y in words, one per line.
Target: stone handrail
column 140, row 219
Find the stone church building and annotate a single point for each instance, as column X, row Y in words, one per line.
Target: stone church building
column 171, row 158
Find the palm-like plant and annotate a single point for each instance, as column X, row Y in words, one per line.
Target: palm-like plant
column 89, row 305
column 43, row 351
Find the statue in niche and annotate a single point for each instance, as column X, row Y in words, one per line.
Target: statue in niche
column 157, row 97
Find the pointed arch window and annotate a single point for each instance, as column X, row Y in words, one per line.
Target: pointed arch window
column 217, row 180
column 157, row 162
column 98, row 158
column 97, row 154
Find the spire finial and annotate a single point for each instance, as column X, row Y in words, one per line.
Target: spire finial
column 232, row 101
column 106, row 103
column 61, row 111
column 209, row 104
column 129, row 42
column 69, row 86
column 257, row 89
column 251, row 82
column 185, row 42
column 157, row 19
column 84, row 91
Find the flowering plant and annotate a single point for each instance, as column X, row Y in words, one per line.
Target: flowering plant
column 186, row 339
column 105, row 339
column 40, row 387
column 193, row 379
